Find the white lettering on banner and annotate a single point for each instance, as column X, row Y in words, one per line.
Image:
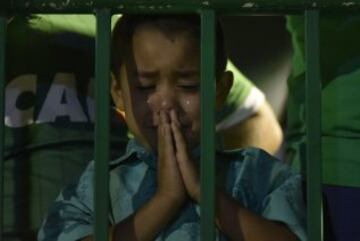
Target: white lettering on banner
column 15, row 117
column 61, row 101
column 63, row 88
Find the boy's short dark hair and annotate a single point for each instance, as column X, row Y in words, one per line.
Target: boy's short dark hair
column 170, row 25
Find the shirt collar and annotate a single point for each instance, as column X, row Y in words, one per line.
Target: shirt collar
column 134, row 148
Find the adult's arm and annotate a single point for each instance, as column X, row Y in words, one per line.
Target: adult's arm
column 261, row 130
column 246, row 118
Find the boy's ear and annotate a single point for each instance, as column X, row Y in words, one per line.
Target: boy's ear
column 223, row 87
column 117, row 94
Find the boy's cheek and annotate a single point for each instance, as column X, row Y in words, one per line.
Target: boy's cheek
column 193, row 112
column 191, row 104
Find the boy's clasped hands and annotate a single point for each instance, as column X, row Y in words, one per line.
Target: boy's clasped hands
column 177, row 173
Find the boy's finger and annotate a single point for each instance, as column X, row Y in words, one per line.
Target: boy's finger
column 178, row 136
column 167, row 136
column 180, row 144
column 174, row 117
column 186, row 166
column 164, row 118
column 163, row 121
column 162, row 142
column 160, row 133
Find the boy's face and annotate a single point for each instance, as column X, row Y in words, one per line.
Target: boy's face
column 162, row 74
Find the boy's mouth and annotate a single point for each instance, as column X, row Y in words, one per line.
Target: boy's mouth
column 186, row 129
column 184, row 124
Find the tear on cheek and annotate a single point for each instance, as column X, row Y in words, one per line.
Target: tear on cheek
column 191, row 102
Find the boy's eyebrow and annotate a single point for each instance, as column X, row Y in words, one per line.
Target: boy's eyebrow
column 188, row 72
column 150, row 73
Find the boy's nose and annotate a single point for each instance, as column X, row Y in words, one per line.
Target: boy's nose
column 165, row 101
column 158, row 102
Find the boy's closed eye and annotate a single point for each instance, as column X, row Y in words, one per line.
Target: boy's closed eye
column 184, row 87
column 146, row 80
column 146, row 87
column 188, row 80
column 190, row 87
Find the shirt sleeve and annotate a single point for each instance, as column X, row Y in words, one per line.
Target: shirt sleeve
column 71, row 216
column 285, row 204
column 282, row 199
column 268, row 187
column 243, row 100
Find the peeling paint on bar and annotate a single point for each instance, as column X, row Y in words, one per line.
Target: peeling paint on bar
column 206, row 3
column 248, row 5
column 223, row 7
column 149, row 7
column 53, row 5
column 348, row 4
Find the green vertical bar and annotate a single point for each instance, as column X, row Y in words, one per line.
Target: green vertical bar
column 313, row 123
column 102, row 92
column 2, row 105
column 208, row 86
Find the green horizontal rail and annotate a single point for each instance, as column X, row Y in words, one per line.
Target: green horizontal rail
column 313, row 125
column 2, row 109
column 208, row 86
column 102, row 123
column 137, row 6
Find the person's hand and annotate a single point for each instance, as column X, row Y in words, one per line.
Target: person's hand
column 170, row 181
column 188, row 170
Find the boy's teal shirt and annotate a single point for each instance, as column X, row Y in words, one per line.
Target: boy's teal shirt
column 252, row 177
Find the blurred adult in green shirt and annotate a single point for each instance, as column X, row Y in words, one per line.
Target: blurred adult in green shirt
column 340, row 77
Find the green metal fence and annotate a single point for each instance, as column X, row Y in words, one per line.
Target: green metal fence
column 2, row 111
column 208, row 11
column 313, row 123
column 102, row 90
column 208, row 86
